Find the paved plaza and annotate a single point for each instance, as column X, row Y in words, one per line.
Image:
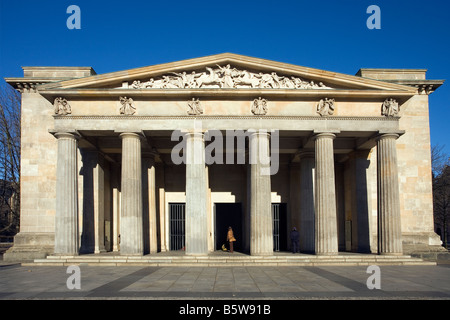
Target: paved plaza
column 248, row 283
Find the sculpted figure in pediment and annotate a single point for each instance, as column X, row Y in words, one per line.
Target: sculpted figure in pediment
column 245, row 78
column 227, row 74
column 227, row 77
column 211, row 79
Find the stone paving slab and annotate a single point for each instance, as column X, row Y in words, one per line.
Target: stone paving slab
column 137, row 282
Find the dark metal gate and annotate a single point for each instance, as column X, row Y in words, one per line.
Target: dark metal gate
column 177, row 225
column 279, row 226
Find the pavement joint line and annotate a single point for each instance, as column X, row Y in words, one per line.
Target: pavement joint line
column 115, row 286
column 252, row 282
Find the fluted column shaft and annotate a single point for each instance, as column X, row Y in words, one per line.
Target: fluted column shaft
column 326, row 241
column 389, row 224
column 261, row 221
column 131, row 224
column 196, row 197
column 150, row 203
column 66, row 220
column 307, row 213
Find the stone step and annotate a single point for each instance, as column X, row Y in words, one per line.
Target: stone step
column 228, row 261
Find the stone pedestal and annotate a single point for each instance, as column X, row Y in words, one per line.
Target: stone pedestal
column 66, row 219
column 307, row 213
column 196, row 196
column 389, row 224
column 131, row 226
column 261, row 222
column 326, row 241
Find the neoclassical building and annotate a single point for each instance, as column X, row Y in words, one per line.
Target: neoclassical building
column 166, row 157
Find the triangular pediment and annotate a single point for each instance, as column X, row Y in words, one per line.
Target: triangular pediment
column 226, row 71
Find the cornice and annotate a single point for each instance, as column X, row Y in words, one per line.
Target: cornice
column 225, row 93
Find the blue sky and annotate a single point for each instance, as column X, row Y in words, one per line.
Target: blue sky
column 329, row 35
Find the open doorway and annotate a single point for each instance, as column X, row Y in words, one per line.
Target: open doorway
column 279, row 215
column 228, row 215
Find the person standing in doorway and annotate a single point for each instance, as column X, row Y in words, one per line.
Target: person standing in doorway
column 295, row 237
column 230, row 238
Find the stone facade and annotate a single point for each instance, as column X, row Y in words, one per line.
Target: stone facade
column 352, row 155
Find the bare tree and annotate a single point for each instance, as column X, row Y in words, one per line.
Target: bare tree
column 439, row 159
column 441, row 191
column 9, row 160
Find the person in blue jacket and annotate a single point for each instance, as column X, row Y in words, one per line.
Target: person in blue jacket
column 295, row 237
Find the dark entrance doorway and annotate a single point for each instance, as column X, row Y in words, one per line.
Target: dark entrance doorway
column 279, row 214
column 177, row 230
column 228, row 215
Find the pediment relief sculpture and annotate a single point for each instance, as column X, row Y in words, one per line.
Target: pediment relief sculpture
column 127, row 107
column 390, row 108
column 226, row 77
column 62, row 106
column 326, row 107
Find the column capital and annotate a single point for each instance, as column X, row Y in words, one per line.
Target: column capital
column 253, row 132
column 74, row 135
column 382, row 134
column 390, row 135
column 131, row 135
column 360, row 154
column 322, row 135
column 302, row 154
column 306, row 154
column 194, row 134
column 151, row 155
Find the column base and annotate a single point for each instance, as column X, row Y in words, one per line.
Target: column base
column 327, row 253
column 65, row 254
column 264, row 254
column 197, row 254
column 131, row 254
column 390, row 254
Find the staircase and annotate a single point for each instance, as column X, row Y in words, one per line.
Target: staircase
column 223, row 259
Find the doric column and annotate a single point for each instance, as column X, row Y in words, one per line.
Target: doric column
column 131, row 226
column 161, row 194
column 66, row 220
column 93, row 235
column 326, row 242
column 150, row 202
column 115, row 184
column 389, row 225
column 196, row 198
column 261, row 221
column 307, row 214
